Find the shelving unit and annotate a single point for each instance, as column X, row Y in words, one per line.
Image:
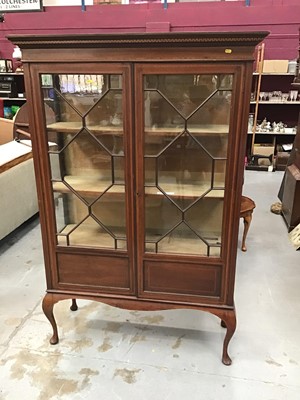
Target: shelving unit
column 287, row 103
column 12, row 90
column 286, row 111
column 289, row 193
column 273, row 140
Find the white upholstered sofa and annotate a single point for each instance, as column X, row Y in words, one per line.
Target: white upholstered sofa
column 18, row 201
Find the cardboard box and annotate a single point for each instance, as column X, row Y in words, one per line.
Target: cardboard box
column 282, row 160
column 263, row 150
column 275, row 66
column 6, row 130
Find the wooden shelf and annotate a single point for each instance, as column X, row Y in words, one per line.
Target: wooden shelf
column 13, row 98
column 90, row 236
column 11, row 73
column 274, row 73
column 94, row 187
column 182, row 245
column 202, row 129
column 75, row 127
column 93, row 236
column 186, row 191
column 87, row 186
column 274, row 133
column 287, row 103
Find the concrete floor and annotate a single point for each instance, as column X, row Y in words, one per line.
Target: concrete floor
column 106, row 353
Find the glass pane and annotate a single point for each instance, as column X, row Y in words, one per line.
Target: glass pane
column 60, row 133
column 150, row 247
column 161, row 214
column 78, row 100
column 205, row 218
column 62, row 240
column 115, row 81
column 107, row 111
column 184, row 241
column 121, row 244
column 184, row 92
column 150, row 171
column 69, row 209
column 84, row 118
column 214, row 251
column 86, row 166
column 219, row 173
column 216, row 193
column 79, row 83
column 151, row 81
column 105, row 121
column 82, row 103
column 61, row 210
column 118, row 169
column 184, row 171
column 162, row 123
column 160, row 112
column 186, row 134
column 66, row 109
column 90, row 233
column 55, row 166
column 210, row 124
column 174, row 83
column 109, row 210
column 225, row 81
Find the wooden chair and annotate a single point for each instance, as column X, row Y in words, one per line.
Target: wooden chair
column 247, row 207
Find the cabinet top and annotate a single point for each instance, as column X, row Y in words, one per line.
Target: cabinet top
column 170, row 39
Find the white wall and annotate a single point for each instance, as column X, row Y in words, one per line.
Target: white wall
column 66, row 2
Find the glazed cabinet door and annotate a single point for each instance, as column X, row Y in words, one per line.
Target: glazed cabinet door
column 186, row 134
column 87, row 175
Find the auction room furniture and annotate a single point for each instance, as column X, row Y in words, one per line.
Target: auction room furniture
column 140, row 192
column 272, row 100
column 291, row 186
column 17, row 180
column 247, row 207
column 289, row 192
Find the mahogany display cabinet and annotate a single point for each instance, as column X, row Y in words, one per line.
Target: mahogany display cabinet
column 138, row 144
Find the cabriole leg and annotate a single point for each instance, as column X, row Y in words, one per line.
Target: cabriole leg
column 229, row 320
column 48, row 304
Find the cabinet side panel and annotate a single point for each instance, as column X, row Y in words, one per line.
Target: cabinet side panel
column 96, row 271
column 291, row 197
column 182, row 278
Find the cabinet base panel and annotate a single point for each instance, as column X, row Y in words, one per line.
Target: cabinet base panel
column 227, row 315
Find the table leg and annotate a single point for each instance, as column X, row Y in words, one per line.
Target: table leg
column 247, row 221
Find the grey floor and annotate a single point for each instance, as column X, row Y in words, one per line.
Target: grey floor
column 107, row 353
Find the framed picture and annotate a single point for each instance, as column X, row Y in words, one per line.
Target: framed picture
column 6, row 65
